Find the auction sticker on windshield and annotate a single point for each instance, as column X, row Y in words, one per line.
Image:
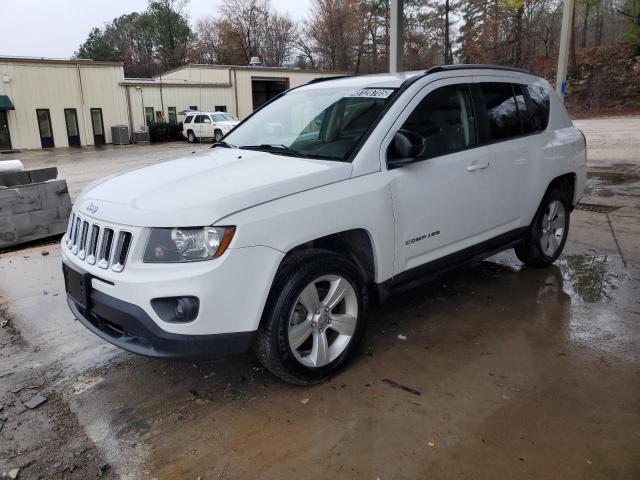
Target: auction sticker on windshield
column 371, row 92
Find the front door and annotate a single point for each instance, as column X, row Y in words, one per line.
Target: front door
column 206, row 127
column 5, row 138
column 73, row 132
column 44, row 125
column 439, row 201
column 98, row 126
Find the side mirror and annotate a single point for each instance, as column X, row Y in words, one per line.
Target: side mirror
column 406, row 147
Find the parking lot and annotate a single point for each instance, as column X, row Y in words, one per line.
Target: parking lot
column 512, row 372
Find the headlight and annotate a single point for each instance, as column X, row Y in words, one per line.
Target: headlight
column 187, row 244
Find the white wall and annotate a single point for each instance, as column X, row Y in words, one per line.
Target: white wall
column 56, row 86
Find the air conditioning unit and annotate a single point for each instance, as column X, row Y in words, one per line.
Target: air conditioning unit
column 141, row 137
column 120, row 135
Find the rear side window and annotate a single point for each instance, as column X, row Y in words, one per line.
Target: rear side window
column 523, row 111
column 445, row 118
column 188, row 119
column 502, row 112
column 539, row 107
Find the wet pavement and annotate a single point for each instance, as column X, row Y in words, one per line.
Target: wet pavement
column 521, row 373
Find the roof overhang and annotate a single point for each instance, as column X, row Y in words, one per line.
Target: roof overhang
column 5, row 103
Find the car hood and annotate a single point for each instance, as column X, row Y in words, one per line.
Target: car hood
column 230, row 123
column 202, row 188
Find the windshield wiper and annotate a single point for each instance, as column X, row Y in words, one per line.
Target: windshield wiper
column 223, row 144
column 274, row 149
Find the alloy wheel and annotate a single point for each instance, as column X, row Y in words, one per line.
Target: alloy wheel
column 323, row 321
column 553, row 228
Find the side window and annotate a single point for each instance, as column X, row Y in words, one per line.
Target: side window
column 205, row 119
column 539, row 107
column 523, row 111
column 445, row 118
column 198, row 119
column 502, row 112
column 188, row 119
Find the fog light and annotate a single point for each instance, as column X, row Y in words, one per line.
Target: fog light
column 176, row 309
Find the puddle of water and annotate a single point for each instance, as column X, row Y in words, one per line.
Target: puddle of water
column 589, row 278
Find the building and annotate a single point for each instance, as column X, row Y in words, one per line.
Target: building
column 46, row 103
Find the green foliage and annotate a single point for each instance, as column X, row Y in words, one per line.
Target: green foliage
column 164, row 131
column 97, row 47
column 146, row 42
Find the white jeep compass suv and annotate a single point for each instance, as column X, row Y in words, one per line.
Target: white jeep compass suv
column 198, row 126
column 333, row 194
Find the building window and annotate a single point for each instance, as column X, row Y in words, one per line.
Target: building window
column 221, row 108
column 194, row 108
column 173, row 116
column 148, row 115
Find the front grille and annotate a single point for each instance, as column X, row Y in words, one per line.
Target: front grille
column 104, row 245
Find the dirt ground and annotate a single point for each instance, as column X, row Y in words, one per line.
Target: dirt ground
column 517, row 373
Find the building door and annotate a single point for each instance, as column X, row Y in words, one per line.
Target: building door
column 98, row 126
column 5, row 138
column 263, row 90
column 73, row 132
column 44, row 125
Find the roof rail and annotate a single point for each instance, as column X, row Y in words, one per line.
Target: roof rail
column 475, row 66
column 324, row 79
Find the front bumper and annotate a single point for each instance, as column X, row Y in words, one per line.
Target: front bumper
column 129, row 327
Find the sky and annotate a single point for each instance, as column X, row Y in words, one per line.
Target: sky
column 55, row 28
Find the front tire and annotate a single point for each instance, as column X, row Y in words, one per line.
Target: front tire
column 217, row 136
column 314, row 318
column 548, row 233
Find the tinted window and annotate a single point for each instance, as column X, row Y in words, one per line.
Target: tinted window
column 198, row 119
column 188, row 119
column 148, row 115
column 523, row 111
column 539, row 107
column 173, row 117
column 501, row 111
column 445, row 118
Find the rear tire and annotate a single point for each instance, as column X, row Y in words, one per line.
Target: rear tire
column 548, row 233
column 191, row 136
column 314, row 318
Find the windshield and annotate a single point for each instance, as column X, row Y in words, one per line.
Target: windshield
column 324, row 123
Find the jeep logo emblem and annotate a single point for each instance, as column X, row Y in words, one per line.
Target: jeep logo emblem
column 91, row 208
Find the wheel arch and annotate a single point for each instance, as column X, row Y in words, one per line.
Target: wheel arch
column 355, row 244
column 566, row 183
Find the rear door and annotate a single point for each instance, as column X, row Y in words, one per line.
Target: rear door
column 506, row 127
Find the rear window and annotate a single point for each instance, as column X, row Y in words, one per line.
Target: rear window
column 502, row 112
column 188, row 119
column 539, row 107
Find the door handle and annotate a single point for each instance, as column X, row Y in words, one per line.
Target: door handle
column 477, row 166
